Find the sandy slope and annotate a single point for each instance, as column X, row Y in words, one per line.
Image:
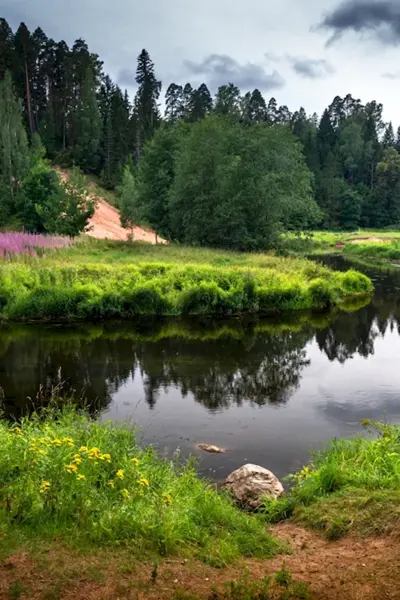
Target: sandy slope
column 105, row 224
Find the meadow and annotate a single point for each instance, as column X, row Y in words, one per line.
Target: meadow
column 93, row 279
column 89, row 483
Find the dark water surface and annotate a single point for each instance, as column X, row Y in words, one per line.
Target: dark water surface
column 267, row 391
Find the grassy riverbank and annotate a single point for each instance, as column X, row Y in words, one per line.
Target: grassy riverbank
column 104, row 280
column 372, row 243
column 86, row 513
column 88, row 483
column 352, row 485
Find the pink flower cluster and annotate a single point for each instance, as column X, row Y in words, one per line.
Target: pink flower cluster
column 27, row 243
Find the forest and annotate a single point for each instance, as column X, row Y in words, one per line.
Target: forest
column 229, row 169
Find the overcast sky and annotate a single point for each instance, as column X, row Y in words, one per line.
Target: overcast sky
column 302, row 52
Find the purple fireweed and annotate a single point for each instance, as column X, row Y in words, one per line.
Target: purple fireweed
column 13, row 243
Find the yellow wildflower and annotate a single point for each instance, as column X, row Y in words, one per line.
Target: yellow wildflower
column 41, row 451
column 111, row 484
column 44, row 441
column 57, row 443
column 44, row 487
column 77, row 459
column 143, row 481
column 68, row 441
column 94, row 453
column 120, row 474
column 125, row 493
column 167, row 498
column 80, row 477
column 135, row 460
column 106, row 457
column 83, row 449
column 17, row 431
column 71, row 468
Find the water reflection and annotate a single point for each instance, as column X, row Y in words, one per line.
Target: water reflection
column 221, row 382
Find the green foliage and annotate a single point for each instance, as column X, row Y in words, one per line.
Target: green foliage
column 64, row 475
column 41, row 188
column 352, row 483
column 155, row 176
column 14, row 151
column 128, row 200
column 69, row 211
column 85, row 290
column 88, row 126
column 247, row 588
column 235, row 187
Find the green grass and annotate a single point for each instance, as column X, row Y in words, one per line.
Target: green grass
column 87, row 483
column 353, row 484
column 319, row 242
column 389, row 250
column 126, row 281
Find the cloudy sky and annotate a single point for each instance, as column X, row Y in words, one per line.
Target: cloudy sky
column 302, row 52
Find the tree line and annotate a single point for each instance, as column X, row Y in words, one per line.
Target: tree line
column 231, row 169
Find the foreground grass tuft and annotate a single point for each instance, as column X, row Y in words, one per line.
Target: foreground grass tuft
column 353, row 484
column 89, row 483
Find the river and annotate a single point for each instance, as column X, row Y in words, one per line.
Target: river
column 266, row 391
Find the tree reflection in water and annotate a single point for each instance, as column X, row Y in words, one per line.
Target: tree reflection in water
column 220, row 364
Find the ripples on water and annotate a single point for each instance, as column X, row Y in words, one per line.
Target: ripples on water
column 266, row 391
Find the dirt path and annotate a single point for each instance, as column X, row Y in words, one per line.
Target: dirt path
column 349, row 569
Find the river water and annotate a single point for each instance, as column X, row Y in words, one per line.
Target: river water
column 266, row 391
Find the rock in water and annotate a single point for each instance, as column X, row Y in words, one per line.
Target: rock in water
column 250, row 484
column 209, row 448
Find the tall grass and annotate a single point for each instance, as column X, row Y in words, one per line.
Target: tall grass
column 45, row 289
column 63, row 475
column 352, row 483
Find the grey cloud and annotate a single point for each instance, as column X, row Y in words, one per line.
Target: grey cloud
column 380, row 18
column 220, row 69
column 312, row 68
column 395, row 75
column 126, row 78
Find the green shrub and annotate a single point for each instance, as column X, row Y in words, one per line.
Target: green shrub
column 321, row 293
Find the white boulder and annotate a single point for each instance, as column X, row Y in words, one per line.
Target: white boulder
column 250, row 484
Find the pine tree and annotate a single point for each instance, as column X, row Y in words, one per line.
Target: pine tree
column 88, row 127
column 174, row 103
column 7, row 51
column 146, row 100
column 201, row 103
column 25, row 65
column 14, row 151
column 254, row 108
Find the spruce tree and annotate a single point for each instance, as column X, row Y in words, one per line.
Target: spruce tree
column 146, row 100
column 201, row 103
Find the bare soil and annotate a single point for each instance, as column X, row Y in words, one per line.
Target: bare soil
column 105, row 224
column 348, row 569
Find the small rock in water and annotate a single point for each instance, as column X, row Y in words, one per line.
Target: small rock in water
column 211, row 449
column 250, row 484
